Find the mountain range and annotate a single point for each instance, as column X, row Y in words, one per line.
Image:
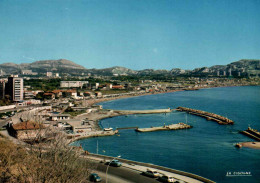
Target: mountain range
column 244, row 67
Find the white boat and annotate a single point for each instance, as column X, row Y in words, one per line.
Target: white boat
column 108, row 129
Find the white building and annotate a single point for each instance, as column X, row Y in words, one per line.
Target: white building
column 56, row 117
column 49, row 74
column 72, row 84
column 28, row 72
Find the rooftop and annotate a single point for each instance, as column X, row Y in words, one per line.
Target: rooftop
column 27, row 125
column 57, row 115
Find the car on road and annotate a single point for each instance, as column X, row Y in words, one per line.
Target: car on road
column 151, row 173
column 94, row 178
column 115, row 163
column 166, row 178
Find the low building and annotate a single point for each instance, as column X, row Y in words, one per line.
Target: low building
column 57, row 93
column 109, row 86
column 69, row 93
column 48, row 96
column 120, row 87
column 29, row 72
column 56, row 117
column 89, row 94
column 98, row 94
column 32, row 102
column 27, row 130
column 64, row 125
column 79, row 126
column 49, row 74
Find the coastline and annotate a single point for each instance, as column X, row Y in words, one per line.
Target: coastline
column 96, row 101
column 244, row 144
column 97, row 116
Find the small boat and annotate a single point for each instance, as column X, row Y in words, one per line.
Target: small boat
column 108, row 129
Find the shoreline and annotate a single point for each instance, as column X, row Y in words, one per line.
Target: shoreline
column 248, row 144
column 96, row 101
column 97, row 116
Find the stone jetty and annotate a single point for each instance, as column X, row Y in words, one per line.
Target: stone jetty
column 178, row 126
column 209, row 116
column 153, row 111
column 252, row 133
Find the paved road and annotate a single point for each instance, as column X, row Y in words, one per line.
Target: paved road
column 125, row 174
column 19, row 108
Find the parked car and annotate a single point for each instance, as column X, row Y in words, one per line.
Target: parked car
column 94, row 177
column 166, row 178
column 115, row 163
column 151, row 173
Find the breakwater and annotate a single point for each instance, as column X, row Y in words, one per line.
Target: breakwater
column 178, row 126
column 209, row 116
column 252, row 133
column 154, row 111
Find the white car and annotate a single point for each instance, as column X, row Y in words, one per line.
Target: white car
column 151, row 173
column 166, row 178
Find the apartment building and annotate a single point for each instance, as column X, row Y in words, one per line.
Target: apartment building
column 72, row 84
column 14, row 88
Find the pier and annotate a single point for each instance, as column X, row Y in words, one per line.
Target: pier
column 209, row 116
column 252, row 133
column 127, row 128
column 178, row 126
column 153, row 111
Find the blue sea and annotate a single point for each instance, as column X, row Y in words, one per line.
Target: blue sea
column 207, row 149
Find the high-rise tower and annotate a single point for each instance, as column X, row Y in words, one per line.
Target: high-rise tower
column 14, row 88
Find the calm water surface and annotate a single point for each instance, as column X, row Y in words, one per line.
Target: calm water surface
column 207, row 149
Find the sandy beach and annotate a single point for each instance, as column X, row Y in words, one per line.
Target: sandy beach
column 94, row 101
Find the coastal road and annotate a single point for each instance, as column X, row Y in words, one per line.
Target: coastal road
column 123, row 174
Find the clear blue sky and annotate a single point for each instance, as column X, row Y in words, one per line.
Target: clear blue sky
column 137, row 34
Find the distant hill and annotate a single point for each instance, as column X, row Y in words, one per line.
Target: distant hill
column 242, row 67
column 59, row 66
column 112, row 71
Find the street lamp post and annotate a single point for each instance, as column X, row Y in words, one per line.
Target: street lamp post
column 109, row 165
